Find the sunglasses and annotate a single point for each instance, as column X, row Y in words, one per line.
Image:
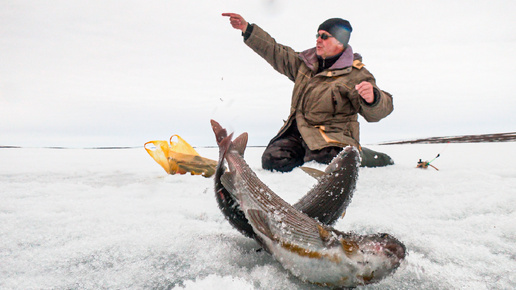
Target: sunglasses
column 323, row 36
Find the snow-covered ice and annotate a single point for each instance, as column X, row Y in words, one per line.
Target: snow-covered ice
column 91, row 218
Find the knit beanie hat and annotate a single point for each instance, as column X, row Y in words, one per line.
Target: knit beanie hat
column 339, row 28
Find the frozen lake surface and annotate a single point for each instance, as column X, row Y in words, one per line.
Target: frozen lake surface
column 90, row 218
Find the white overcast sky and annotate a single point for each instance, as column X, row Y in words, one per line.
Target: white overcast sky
column 121, row 73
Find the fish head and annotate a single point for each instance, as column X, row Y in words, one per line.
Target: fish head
column 376, row 256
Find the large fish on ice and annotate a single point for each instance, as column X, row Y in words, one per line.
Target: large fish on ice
column 309, row 249
column 325, row 202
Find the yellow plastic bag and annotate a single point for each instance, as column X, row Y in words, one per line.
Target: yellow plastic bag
column 179, row 157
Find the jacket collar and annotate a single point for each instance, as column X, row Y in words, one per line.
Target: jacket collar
column 309, row 57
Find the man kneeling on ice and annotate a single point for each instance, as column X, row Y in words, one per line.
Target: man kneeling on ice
column 331, row 88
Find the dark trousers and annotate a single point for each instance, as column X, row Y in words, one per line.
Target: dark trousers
column 290, row 151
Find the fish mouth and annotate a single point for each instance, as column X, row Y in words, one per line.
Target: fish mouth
column 384, row 245
column 391, row 247
column 382, row 255
column 398, row 251
column 395, row 247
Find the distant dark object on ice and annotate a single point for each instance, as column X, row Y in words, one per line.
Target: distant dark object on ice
column 498, row 137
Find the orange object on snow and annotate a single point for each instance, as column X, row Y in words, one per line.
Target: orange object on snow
column 180, row 157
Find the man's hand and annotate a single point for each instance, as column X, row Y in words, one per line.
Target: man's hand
column 365, row 90
column 237, row 21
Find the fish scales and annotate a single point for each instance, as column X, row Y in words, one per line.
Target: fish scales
column 265, row 199
column 328, row 199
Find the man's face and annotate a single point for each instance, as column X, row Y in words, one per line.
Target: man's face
column 329, row 46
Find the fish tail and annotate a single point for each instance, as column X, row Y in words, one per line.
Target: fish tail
column 220, row 133
column 222, row 138
column 240, row 143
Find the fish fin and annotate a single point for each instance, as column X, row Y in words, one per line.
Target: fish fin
column 260, row 222
column 240, row 143
column 315, row 173
column 327, row 235
column 324, row 234
column 349, row 246
column 220, row 133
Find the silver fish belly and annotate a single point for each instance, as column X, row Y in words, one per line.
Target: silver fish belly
column 308, row 249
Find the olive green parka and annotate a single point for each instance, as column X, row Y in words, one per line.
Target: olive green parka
column 324, row 105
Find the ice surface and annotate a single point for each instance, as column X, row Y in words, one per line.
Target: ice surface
column 81, row 218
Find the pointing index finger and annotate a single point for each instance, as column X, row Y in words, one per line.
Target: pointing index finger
column 229, row 14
